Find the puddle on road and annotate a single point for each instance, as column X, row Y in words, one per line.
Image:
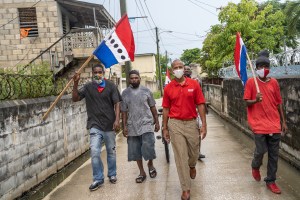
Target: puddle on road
column 44, row 188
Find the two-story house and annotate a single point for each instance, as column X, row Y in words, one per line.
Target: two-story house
column 61, row 32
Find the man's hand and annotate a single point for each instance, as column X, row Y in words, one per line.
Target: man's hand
column 203, row 132
column 76, row 77
column 116, row 125
column 258, row 97
column 156, row 129
column 284, row 128
column 125, row 132
column 166, row 135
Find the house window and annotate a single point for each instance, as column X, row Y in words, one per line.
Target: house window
column 28, row 22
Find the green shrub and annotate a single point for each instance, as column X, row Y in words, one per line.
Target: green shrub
column 34, row 81
column 156, row 95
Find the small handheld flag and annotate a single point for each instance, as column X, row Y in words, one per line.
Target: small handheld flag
column 118, row 46
column 240, row 59
column 168, row 77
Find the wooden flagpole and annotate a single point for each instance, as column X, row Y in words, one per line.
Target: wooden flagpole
column 254, row 76
column 66, row 87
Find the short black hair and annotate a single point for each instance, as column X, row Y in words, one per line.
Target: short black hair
column 98, row 65
column 134, row 72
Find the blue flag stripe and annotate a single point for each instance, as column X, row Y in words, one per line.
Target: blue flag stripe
column 104, row 54
column 243, row 65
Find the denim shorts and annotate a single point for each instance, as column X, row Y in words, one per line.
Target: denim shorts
column 141, row 147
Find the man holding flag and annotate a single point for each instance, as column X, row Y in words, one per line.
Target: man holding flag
column 103, row 100
column 264, row 110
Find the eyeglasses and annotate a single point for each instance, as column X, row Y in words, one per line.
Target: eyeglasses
column 98, row 72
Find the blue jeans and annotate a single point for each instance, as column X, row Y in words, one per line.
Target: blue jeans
column 109, row 138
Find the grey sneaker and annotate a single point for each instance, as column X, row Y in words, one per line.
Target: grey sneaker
column 95, row 185
column 113, row 179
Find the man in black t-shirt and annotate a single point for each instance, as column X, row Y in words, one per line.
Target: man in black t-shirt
column 103, row 110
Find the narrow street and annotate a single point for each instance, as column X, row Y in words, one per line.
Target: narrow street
column 225, row 173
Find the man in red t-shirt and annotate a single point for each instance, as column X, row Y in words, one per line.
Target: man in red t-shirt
column 180, row 125
column 264, row 110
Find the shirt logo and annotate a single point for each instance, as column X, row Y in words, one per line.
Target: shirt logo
column 190, row 90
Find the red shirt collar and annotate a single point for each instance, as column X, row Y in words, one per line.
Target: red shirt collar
column 186, row 82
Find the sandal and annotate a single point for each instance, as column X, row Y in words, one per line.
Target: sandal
column 152, row 172
column 140, row 179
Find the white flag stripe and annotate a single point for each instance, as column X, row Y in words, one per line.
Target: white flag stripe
column 115, row 45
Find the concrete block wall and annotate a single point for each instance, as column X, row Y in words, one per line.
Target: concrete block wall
column 234, row 108
column 31, row 151
column 213, row 94
column 12, row 47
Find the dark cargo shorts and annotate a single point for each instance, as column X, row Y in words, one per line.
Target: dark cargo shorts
column 141, row 146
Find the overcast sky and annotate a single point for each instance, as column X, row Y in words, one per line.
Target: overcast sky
column 188, row 19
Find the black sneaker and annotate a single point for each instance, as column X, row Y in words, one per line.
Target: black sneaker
column 113, row 179
column 95, row 185
column 201, row 156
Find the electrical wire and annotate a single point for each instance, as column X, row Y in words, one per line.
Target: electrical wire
column 17, row 16
column 202, row 8
column 148, row 26
column 183, row 38
column 187, row 34
column 143, row 30
column 149, row 13
column 207, row 4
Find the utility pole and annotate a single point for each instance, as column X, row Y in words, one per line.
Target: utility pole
column 166, row 58
column 127, row 63
column 158, row 62
column 285, row 55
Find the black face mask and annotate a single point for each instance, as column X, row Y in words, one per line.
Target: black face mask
column 135, row 85
column 188, row 74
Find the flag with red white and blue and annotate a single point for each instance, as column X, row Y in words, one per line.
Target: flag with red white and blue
column 118, row 46
column 240, row 59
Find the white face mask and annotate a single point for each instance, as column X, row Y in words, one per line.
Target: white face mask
column 178, row 73
column 262, row 73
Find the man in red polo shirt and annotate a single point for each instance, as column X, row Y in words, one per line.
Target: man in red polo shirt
column 180, row 125
column 264, row 112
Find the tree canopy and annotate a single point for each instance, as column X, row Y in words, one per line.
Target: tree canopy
column 262, row 26
column 293, row 17
column 190, row 56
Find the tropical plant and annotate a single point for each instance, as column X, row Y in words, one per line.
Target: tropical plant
column 293, row 17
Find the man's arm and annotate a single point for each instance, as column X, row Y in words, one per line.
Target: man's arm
column 124, row 121
column 284, row 126
column 165, row 124
column 254, row 101
column 202, row 113
column 116, row 125
column 75, row 94
column 155, row 116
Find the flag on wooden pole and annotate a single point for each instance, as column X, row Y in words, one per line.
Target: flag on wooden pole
column 118, row 46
